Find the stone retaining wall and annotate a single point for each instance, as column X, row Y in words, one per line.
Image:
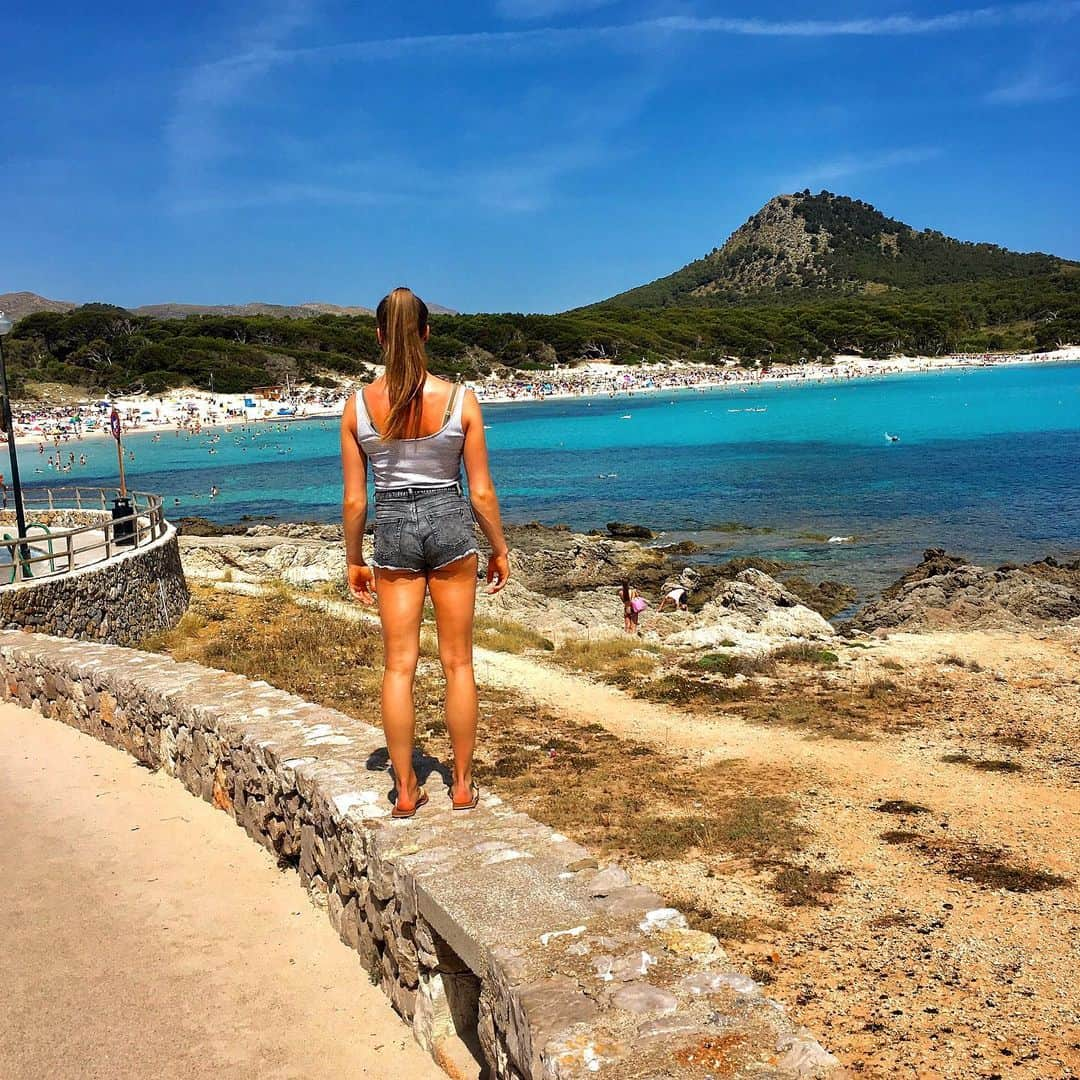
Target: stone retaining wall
column 486, row 927
column 121, row 601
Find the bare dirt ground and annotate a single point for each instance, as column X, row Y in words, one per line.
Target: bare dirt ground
column 885, row 833
column 144, row 935
column 946, row 943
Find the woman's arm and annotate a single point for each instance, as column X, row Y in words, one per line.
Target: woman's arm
column 482, row 495
column 354, row 507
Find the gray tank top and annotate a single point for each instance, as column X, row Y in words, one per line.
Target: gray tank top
column 427, row 461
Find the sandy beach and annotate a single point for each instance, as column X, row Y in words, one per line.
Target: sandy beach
column 195, row 410
column 593, row 378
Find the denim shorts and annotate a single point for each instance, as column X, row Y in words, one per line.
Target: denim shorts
column 422, row 529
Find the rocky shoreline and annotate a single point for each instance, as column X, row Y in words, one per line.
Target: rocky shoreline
column 566, row 584
column 947, row 592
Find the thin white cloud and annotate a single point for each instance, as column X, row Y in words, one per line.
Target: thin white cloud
column 840, row 168
column 542, row 9
column 193, row 138
column 645, row 31
column 518, row 178
column 878, row 26
column 1032, row 88
column 198, row 137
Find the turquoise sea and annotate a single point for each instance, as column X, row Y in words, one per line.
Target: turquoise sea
column 987, row 464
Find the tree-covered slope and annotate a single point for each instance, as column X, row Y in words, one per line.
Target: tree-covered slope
column 803, row 243
column 101, row 347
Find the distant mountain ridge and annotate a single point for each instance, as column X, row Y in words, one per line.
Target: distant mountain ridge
column 825, row 242
column 17, row 305
column 280, row 311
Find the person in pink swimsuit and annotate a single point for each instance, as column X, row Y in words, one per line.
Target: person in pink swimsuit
column 633, row 605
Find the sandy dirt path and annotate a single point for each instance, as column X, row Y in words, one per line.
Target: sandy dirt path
column 879, row 769
column 144, row 935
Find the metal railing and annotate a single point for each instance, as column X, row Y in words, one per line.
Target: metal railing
column 46, row 551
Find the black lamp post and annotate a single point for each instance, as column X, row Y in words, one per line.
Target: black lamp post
column 9, row 428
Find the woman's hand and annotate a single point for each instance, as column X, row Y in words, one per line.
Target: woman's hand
column 362, row 583
column 498, row 572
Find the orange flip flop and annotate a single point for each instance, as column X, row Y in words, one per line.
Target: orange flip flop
column 398, row 813
column 469, row 805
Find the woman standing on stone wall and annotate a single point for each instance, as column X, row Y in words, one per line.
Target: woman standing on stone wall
column 415, row 430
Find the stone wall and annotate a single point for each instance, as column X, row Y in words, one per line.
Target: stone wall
column 484, row 927
column 122, row 601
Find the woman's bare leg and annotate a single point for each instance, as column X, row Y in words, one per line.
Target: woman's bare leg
column 453, row 592
column 401, row 605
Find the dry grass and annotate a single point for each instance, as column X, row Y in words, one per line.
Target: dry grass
column 989, row 868
column 677, row 688
column 805, row 652
column 191, row 625
column 337, row 589
column 298, row 649
column 901, row 806
column 992, row 869
column 726, row 927
column 620, row 661
column 632, row 800
column 509, row 637
column 880, row 688
column 798, row 886
column 834, row 716
column 984, row 764
column 953, row 660
column 806, row 703
column 732, row 664
column 622, row 798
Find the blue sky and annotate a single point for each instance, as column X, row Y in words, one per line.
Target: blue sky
column 506, row 154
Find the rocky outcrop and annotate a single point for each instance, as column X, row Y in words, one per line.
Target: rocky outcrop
column 947, row 592
column 752, row 610
column 564, row 585
column 263, row 557
column 590, row 562
column 553, row 562
column 589, row 613
column 773, row 248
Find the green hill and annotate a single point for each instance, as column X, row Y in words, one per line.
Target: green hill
column 803, row 244
column 806, row 277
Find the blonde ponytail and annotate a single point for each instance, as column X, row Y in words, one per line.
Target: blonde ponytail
column 402, row 318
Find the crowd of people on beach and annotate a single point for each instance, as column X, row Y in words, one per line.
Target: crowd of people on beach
column 192, row 410
column 189, row 412
column 598, row 380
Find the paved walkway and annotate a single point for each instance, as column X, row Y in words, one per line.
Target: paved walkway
column 142, row 934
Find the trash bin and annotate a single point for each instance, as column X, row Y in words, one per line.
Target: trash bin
column 123, row 531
